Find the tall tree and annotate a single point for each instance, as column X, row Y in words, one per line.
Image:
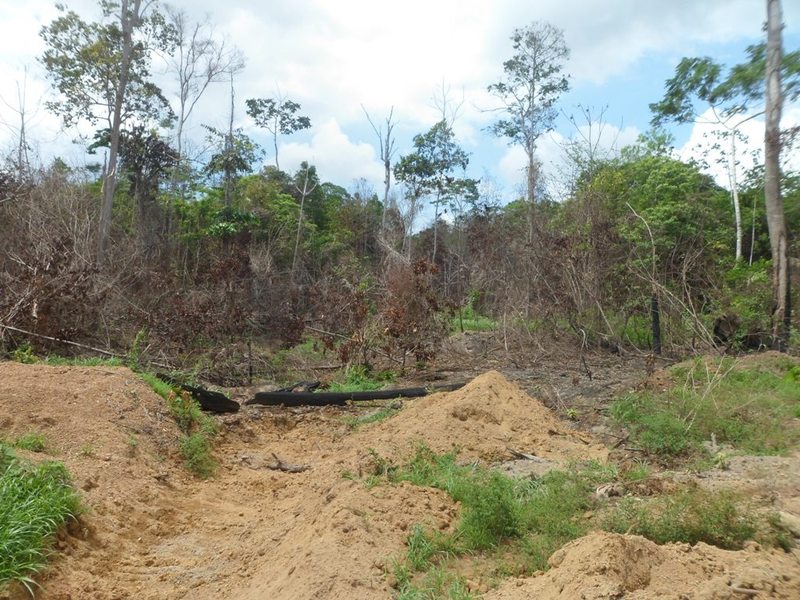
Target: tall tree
column 199, row 60
column 776, row 222
column 278, row 116
column 386, row 145
column 433, row 170
column 532, row 84
column 101, row 70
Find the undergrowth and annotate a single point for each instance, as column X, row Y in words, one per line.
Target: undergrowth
column 360, row 379
column 751, row 408
column 35, row 502
column 512, row 526
column 198, row 429
column 354, row 422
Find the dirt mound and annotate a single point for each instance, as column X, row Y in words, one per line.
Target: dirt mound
column 602, row 566
column 483, row 419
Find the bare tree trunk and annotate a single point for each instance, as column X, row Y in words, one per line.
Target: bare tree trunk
column 128, row 18
column 387, row 149
column 737, row 211
column 778, row 237
column 303, row 194
column 229, row 152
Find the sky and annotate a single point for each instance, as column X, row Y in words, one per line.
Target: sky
column 340, row 58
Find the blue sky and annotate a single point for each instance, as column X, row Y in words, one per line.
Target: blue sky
column 334, row 57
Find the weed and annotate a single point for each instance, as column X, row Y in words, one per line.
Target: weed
column 354, row 422
column 196, row 450
column 748, row 407
column 88, row 450
column 24, row 354
column 33, row 442
column 35, row 501
column 360, row 379
column 690, row 515
column 138, row 348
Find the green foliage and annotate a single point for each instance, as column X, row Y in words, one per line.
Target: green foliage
column 196, row 450
column 33, row 442
column 159, row 386
column 750, row 406
column 24, row 354
column 359, row 378
column 690, row 515
column 468, row 319
column 134, row 360
column 35, row 502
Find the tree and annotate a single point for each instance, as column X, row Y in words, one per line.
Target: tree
column 387, row 149
column 778, row 237
column 533, row 83
column 278, row 116
column 235, row 155
column 101, row 71
column 198, row 61
column 310, row 182
column 431, row 171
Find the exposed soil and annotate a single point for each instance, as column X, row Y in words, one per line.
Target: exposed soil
column 152, row 531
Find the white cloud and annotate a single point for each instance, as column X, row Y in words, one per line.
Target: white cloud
column 336, row 157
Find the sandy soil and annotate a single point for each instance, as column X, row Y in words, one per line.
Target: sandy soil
column 251, row 533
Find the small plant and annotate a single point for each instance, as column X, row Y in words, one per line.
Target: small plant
column 137, row 350
column 24, row 354
column 196, row 450
column 88, row 450
column 360, row 379
column 32, row 442
column 572, row 414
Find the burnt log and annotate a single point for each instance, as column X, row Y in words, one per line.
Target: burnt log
column 209, row 401
column 342, row 398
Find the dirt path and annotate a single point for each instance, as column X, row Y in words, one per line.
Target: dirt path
column 154, row 532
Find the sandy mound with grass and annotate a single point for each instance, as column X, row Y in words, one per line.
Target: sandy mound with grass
column 602, row 566
column 483, row 419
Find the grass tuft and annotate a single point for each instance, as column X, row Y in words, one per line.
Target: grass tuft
column 35, row 502
column 32, row 442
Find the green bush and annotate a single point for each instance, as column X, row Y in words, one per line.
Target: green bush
column 33, row 442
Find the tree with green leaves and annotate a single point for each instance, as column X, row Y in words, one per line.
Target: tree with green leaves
column 234, row 155
column 278, row 116
column 433, row 170
column 532, row 84
column 101, row 71
column 730, row 96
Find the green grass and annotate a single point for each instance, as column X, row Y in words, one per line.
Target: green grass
column 527, row 519
column 467, row 319
column 360, row 379
column 752, row 407
column 354, row 422
column 690, row 515
column 33, row 442
column 90, row 361
column 35, row 502
column 511, row 527
column 198, row 432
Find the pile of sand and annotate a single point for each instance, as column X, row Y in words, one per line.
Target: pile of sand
column 602, row 566
column 483, row 419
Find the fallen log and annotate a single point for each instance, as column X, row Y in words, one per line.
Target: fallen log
column 342, row 398
column 286, row 467
column 210, row 401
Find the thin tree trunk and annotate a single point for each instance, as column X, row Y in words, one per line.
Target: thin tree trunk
column 127, row 19
column 778, row 237
column 737, row 211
